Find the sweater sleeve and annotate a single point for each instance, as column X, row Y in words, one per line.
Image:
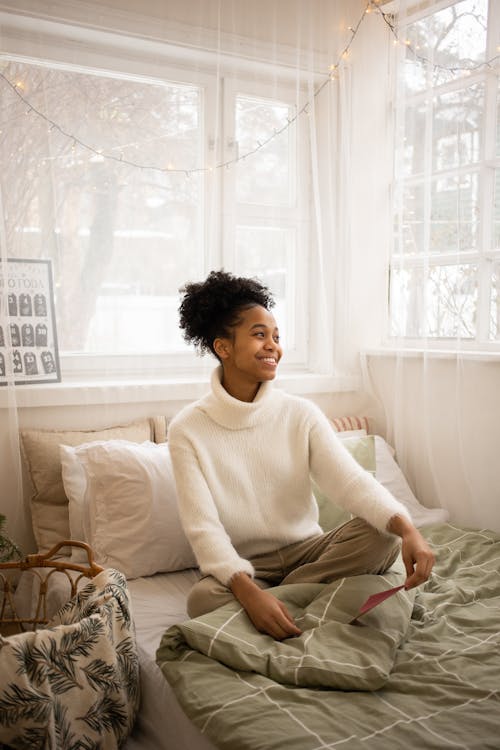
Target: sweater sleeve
column 345, row 482
column 211, row 544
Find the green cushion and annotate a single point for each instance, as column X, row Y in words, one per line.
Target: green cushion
column 363, row 450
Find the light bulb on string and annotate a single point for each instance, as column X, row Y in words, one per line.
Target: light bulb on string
column 372, row 6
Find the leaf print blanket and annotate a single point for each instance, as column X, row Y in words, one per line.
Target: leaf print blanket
column 74, row 684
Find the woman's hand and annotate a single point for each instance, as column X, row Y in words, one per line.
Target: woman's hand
column 267, row 613
column 417, row 555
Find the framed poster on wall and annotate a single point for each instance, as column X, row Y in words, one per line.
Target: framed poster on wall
column 28, row 335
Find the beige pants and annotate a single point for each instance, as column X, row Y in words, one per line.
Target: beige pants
column 352, row 549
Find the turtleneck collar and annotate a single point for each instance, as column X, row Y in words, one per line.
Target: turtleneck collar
column 232, row 413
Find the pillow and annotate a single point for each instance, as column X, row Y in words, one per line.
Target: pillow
column 123, row 503
column 363, row 450
column 49, row 504
column 390, row 475
column 350, row 424
column 375, row 455
column 352, row 433
column 75, row 486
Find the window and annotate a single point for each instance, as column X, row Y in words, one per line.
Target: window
column 444, row 277
column 133, row 185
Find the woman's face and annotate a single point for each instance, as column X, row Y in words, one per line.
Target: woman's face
column 253, row 352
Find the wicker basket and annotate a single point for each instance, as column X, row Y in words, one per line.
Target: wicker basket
column 46, row 569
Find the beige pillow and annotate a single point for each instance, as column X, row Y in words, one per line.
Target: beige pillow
column 49, row 504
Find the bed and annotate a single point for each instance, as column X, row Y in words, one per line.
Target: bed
column 442, row 689
column 437, row 686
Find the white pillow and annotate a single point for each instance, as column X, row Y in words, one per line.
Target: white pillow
column 123, row 502
column 75, row 484
column 355, row 432
column 390, row 475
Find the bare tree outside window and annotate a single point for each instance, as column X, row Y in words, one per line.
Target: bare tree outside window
column 122, row 239
column 446, row 223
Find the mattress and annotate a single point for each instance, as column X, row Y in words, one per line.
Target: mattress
column 157, row 602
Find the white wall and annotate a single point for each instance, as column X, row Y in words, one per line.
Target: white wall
column 282, row 26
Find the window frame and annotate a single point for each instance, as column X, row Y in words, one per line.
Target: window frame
column 485, row 255
column 294, row 216
column 104, row 54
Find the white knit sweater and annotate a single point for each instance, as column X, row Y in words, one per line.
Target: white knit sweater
column 243, row 474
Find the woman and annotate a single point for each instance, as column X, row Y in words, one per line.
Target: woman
column 243, row 458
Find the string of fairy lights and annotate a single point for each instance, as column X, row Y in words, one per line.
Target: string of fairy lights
column 372, row 6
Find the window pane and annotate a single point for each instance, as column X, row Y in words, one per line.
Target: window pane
column 457, row 123
column 414, row 141
column 452, row 37
column 412, row 237
column 266, row 176
column 498, row 120
column 454, row 214
column 267, row 253
column 434, row 301
column 496, row 212
column 495, row 303
column 122, row 238
column 452, row 208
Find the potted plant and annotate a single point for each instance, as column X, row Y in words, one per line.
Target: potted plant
column 8, row 548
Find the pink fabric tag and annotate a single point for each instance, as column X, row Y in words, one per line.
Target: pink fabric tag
column 374, row 600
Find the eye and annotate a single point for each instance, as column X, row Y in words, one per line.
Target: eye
column 259, row 333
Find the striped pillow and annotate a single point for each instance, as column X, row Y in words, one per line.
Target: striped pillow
column 344, row 424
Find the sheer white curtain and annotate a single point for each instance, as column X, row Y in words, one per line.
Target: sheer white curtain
column 440, row 389
column 139, row 151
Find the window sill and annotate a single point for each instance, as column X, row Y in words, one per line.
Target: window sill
column 75, row 393
column 416, row 353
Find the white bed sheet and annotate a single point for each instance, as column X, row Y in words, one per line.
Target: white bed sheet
column 157, row 602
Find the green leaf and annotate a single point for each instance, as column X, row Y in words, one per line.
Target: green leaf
column 24, row 703
column 65, row 738
column 8, row 549
column 128, row 665
column 33, row 738
column 102, row 675
column 106, row 714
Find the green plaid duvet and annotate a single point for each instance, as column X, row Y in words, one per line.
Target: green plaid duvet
column 422, row 674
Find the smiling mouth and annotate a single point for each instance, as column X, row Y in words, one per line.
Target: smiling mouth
column 269, row 360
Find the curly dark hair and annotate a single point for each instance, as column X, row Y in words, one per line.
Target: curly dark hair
column 210, row 308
